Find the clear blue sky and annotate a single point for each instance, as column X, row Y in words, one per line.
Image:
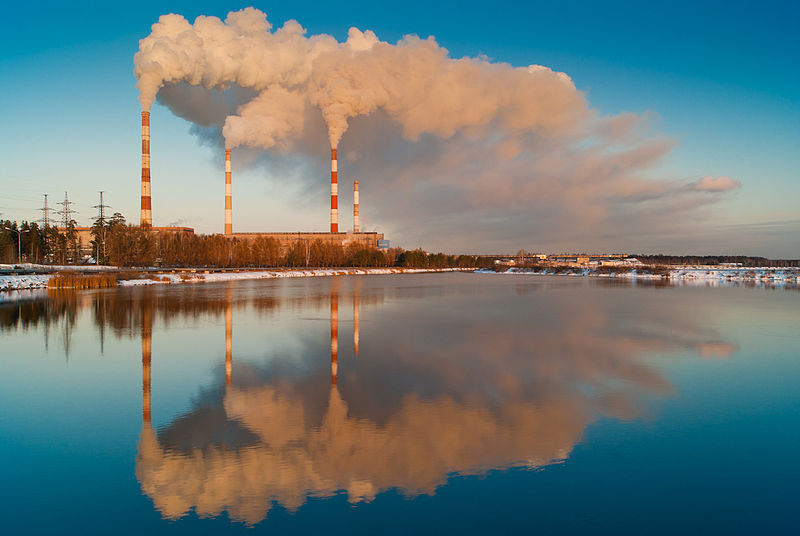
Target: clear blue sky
column 721, row 77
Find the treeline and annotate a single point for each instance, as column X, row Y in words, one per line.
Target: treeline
column 116, row 243
column 30, row 242
column 132, row 246
column 751, row 262
column 26, row 241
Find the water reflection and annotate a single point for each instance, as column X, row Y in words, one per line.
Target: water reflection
column 449, row 379
column 459, row 396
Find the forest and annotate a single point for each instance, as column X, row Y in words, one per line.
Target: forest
column 116, row 243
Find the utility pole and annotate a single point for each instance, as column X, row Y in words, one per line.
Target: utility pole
column 45, row 221
column 45, row 213
column 101, row 223
column 67, row 212
column 66, row 218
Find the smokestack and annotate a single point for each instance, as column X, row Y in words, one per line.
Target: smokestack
column 334, row 336
column 228, row 210
column 147, row 214
column 334, row 194
column 355, row 207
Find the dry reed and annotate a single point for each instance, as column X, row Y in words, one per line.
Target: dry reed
column 82, row 281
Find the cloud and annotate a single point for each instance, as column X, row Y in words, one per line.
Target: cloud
column 718, row 184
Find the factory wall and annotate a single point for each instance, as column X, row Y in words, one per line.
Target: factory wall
column 287, row 240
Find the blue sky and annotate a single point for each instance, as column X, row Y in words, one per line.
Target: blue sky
column 720, row 78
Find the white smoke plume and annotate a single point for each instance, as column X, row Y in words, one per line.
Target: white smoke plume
column 414, row 81
column 467, row 148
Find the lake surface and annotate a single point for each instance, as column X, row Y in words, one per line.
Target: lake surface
column 425, row 403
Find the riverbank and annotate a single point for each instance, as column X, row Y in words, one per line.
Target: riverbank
column 126, row 279
column 704, row 275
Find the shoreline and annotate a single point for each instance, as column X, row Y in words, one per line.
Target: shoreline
column 769, row 277
column 684, row 275
column 39, row 281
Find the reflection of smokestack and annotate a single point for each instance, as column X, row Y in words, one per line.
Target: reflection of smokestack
column 334, row 194
column 334, row 336
column 147, row 337
column 355, row 322
column 147, row 214
column 355, row 207
column 228, row 340
column 228, row 219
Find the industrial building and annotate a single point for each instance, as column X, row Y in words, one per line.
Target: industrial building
column 285, row 239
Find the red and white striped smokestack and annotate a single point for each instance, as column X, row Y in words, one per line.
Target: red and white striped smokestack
column 147, row 214
column 228, row 204
column 355, row 207
column 334, row 194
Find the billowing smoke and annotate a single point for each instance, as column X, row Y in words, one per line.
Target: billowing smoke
column 467, row 148
column 414, row 82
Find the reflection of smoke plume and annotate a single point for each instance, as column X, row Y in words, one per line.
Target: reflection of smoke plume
column 292, row 459
column 462, row 394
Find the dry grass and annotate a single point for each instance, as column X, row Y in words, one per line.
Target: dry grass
column 82, row 281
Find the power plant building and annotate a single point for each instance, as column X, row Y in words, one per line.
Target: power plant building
column 285, row 239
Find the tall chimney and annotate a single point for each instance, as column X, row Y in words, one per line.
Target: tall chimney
column 355, row 207
column 228, row 218
column 334, row 194
column 147, row 214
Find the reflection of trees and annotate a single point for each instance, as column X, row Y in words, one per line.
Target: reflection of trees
column 48, row 309
column 122, row 310
column 461, row 394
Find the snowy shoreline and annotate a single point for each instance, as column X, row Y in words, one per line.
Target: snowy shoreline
column 697, row 275
column 38, row 281
column 168, row 278
column 685, row 275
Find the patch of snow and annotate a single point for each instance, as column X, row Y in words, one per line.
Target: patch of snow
column 18, row 282
column 276, row 274
column 702, row 275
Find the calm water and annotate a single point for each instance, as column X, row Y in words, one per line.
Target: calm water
column 430, row 403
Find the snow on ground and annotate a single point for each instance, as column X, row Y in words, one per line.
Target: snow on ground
column 697, row 275
column 274, row 274
column 690, row 275
column 575, row 272
column 32, row 281
column 18, row 282
column 57, row 268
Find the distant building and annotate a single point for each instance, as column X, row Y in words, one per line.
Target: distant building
column 287, row 240
column 603, row 259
